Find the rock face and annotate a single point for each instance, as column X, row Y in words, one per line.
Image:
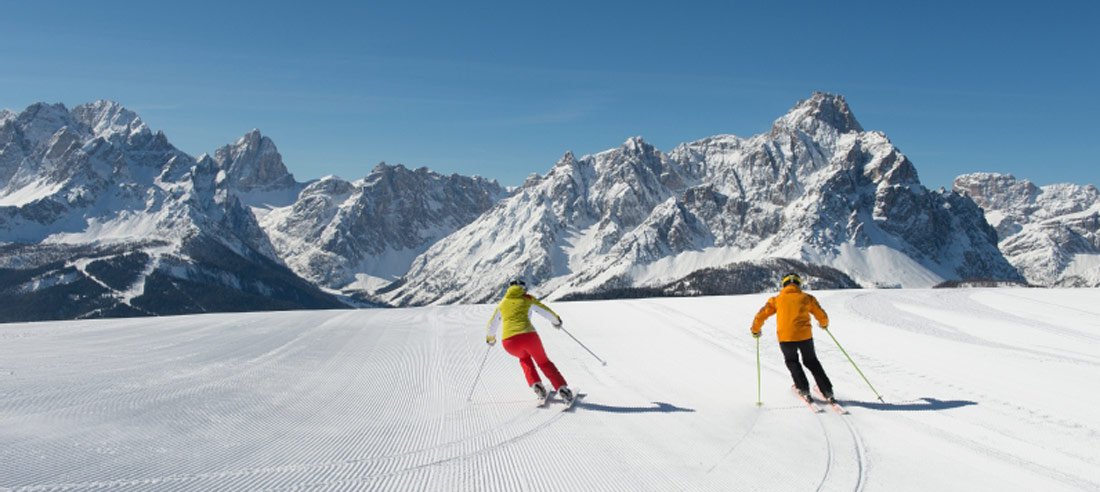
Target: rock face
column 361, row 235
column 255, row 172
column 816, row 188
column 1049, row 233
column 739, row 278
column 99, row 216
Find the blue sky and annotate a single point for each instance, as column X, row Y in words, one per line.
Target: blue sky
column 503, row 89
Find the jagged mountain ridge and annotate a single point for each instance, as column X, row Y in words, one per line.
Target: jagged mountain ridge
column 358, row 236
column 1050, row 233
column 735, row 279
column 102, row 217
column 816, row 188
column 92, row 194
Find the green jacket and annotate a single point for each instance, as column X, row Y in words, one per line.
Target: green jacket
column 514, row 313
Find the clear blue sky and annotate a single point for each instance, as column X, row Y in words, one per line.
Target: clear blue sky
column 502, row 89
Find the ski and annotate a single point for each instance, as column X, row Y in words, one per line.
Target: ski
column 543, row 402
column 831, row 402
column 837, row 408
column 569, row 405
column 808, row 401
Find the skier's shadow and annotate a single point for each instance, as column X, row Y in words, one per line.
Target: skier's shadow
column 658, row 407
column 920, row 405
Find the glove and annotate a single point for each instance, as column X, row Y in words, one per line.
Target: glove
column 756, row 334
column 557, row 324
column 825, row 327
column 490, row 340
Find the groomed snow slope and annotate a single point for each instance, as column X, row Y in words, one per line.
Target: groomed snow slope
column 985, row 390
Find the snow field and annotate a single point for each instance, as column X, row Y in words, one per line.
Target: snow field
column 983, row 391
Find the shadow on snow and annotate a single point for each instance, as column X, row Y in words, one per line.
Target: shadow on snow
column 920, row 405
column 659, row 407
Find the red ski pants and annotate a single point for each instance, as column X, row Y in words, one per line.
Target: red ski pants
column 528, row 347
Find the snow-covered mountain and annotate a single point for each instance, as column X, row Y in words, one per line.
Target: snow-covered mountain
column 255, row 172
column 361, row 235
column 816, row 188
column 101, row 216
column 1050, row 233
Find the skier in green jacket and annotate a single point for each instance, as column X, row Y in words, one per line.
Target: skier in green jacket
column 520, row 339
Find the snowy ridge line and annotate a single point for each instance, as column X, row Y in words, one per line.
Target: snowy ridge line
column 981, row 310
column 927, row 326
column 1069, row 308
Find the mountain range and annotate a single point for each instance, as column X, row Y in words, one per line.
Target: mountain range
column 1051, row 234
column 815, row 188
column 100, row 216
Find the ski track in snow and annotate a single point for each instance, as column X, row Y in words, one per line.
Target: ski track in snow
column 376, row 399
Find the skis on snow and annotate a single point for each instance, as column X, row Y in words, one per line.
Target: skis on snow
column 809, row 401
column 572, row 403
column 831, row 402
column 569, row 404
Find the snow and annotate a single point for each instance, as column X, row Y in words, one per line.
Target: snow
column 982, row 390
column 868, row 263
column 1085, row 266
column 126, row 225
column 36, row 190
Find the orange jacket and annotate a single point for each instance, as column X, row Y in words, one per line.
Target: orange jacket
column 794, row 308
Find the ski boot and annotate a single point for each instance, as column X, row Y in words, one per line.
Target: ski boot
column 567, row 394
column 540, row 390
column 805, row 394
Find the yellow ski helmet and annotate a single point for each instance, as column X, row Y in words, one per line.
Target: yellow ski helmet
column 791, row 278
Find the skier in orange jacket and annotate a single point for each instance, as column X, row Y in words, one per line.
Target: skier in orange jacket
column 795, row 334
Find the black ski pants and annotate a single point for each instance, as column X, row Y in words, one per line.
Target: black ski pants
column 809, row 359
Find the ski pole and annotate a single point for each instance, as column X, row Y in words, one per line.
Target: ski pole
column 758, row 401
column 830, row 332
column 479, row 369
column 582, row 345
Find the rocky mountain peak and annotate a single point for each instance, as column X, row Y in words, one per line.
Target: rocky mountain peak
column 40, row 121
column 636, row 145
column 254, row 163
column 995, row 190
column 328, row 185
column 107, row 119
column 821, row 109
